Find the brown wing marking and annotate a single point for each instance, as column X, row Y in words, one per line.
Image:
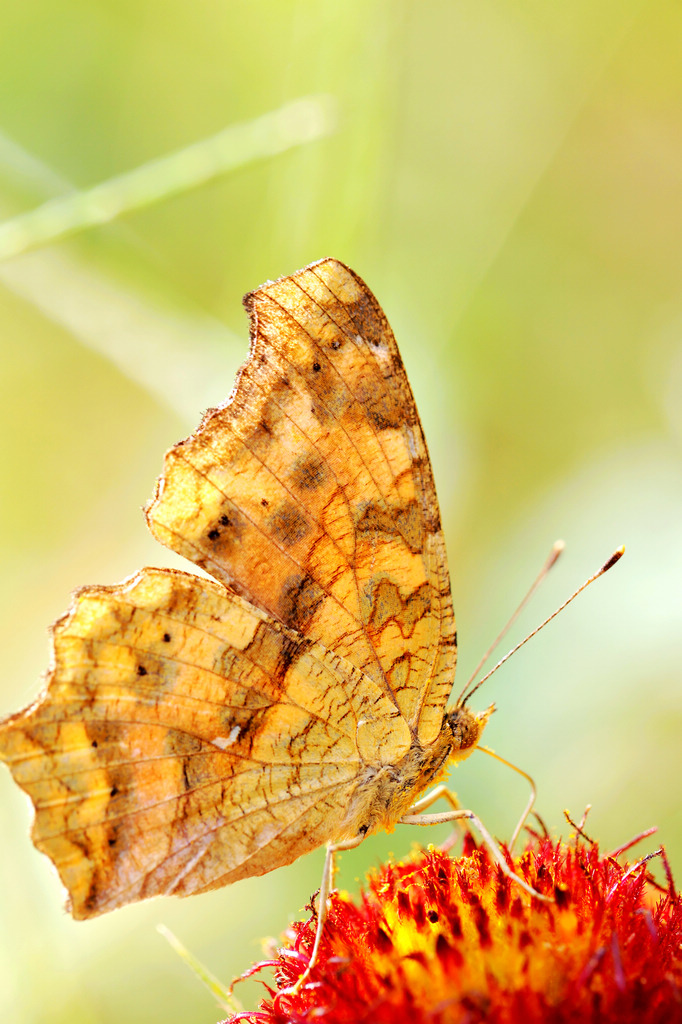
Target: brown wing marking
column 423, row 703
column 184, row 741
column 310, row 492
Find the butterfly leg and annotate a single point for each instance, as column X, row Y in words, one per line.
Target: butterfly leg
column 440, row 792
column 493, row 847
column 326, row 886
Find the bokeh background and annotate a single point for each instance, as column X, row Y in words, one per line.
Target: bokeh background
column 507, row 176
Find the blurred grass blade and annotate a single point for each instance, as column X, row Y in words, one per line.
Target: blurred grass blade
column 24, row 172
column 226, row 1001
column 184, row 359
column 294, row 124
column 175, row 351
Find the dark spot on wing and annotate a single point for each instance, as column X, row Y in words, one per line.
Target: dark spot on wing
column 370, row 323
column 90, row 901
column 387, row 605
column 289, row 653
column 406, row 521
column 375, row 518
column 264, row 432
column 273, row 651
column 179, row 744
column 115, row 830
column 231, row 529
column 300, row 598
column 97, row 732
column 409, row 523
column 382, row 406
column 327, row 388
column 319, row 412
column 288, row 524
column 386, row 414
column 251, row 721
column 198, row 770
column 309, row 472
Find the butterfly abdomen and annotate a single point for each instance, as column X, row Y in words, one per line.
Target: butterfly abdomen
column 384, row 794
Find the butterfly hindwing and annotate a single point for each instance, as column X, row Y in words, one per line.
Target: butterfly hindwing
column 186, row 741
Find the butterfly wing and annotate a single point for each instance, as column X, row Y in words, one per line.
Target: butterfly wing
column 310, row 491
column 193, row 733
column 186, row 741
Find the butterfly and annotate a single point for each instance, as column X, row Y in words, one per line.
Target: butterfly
column 197, row 731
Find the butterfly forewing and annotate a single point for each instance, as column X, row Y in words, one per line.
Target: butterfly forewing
column 310, row 492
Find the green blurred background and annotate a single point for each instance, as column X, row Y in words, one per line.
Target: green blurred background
column 507, row 177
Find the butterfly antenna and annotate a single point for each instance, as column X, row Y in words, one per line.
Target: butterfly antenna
column 605, row 568
column 557, row 548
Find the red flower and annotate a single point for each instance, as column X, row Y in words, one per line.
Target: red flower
column 447, row 941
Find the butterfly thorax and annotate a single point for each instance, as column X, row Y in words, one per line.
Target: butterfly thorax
column 387, row 792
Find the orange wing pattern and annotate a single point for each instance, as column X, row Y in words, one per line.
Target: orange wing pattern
column 195, row 732
column 310, row 491
column 188, row 741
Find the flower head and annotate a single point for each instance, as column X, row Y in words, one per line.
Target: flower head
column 448, row 941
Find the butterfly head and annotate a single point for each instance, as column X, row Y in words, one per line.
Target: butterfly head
column 464, row 728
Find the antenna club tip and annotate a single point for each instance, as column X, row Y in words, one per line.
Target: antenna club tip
column 559, row 546
column 615, row 557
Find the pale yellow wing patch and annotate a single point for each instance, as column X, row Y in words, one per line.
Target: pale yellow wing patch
column 310, row 491
column 185, row 741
